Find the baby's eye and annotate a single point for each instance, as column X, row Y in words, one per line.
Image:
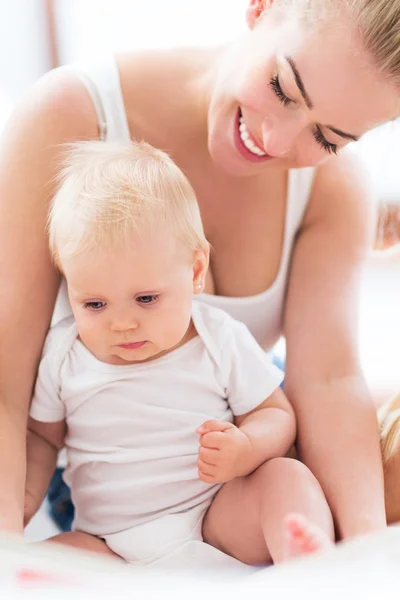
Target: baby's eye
column 150, row 299
column 95, row 305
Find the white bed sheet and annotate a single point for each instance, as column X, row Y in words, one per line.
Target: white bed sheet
column 366, row 568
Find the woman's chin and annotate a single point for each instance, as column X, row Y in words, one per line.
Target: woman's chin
column 226, row 157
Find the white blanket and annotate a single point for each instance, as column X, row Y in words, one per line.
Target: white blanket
column 366, row 568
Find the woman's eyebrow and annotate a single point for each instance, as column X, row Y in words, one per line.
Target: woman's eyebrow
column 346, row 136
column 299, row 82
column 310, row 105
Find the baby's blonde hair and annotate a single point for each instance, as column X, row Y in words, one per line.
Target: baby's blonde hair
column 389, row 424
column 107, row 191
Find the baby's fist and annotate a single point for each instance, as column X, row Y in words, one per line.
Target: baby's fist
column 223, row 452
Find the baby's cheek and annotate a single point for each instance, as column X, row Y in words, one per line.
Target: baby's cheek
column 175, row 329
column 90, row 333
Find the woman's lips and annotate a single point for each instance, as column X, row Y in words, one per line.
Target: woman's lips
column 245, row 152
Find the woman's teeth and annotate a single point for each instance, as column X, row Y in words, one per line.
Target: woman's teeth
column 247, row 141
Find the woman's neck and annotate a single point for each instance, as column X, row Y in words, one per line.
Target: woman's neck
column 167, row 92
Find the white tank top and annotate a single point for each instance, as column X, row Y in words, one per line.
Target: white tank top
column 262, row 313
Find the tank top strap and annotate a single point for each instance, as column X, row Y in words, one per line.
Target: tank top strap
column 102, row 82
column 300, row 183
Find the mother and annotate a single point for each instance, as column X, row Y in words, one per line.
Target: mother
column 243, row 121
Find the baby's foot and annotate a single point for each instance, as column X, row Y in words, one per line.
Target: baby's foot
column 303, row 537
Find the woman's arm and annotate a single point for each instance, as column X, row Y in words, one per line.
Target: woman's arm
column 337, row 426
column 58, row 109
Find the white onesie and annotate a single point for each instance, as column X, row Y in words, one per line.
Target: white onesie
column 131, row 430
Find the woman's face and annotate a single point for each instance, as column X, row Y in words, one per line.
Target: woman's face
column 292, row 94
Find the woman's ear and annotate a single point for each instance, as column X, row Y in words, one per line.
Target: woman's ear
column 200, row 267
column 255, row 10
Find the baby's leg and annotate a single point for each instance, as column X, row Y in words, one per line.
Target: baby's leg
column 248, row 518
column 83, row 541
column 303, row 537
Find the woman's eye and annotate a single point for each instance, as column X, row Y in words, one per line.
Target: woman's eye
column 95, row 305
column 150, row 299
column 279, row 93
column 318, row 135
column 327, row 146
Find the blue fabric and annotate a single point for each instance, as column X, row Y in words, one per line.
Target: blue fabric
column 59, row 495
column 280, row 363
column 61, row 508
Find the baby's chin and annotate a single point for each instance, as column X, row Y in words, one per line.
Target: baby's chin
column 146, row 353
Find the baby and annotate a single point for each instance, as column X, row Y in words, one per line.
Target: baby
column 158, row 399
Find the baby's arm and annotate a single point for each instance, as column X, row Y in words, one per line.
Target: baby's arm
column 270, row 428
column 265, row 425
column 44, row 442
column 228, row 451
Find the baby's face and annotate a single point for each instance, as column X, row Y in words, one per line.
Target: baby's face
column 132, row 303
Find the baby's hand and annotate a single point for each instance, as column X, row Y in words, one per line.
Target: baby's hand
column 223, row 452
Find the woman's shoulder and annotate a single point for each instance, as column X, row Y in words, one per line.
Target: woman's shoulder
column 59, row 105
column 342, row 192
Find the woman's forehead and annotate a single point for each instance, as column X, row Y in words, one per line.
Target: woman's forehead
column 339, row 76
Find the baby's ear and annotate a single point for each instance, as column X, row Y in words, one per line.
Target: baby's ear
column 200, row 267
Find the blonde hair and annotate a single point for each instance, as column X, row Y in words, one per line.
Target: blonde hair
column 379, row 24
column 389, row 424
column 106, row 191
column 376, row 21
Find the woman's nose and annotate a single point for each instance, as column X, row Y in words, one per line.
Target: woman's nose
column 279, row 136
